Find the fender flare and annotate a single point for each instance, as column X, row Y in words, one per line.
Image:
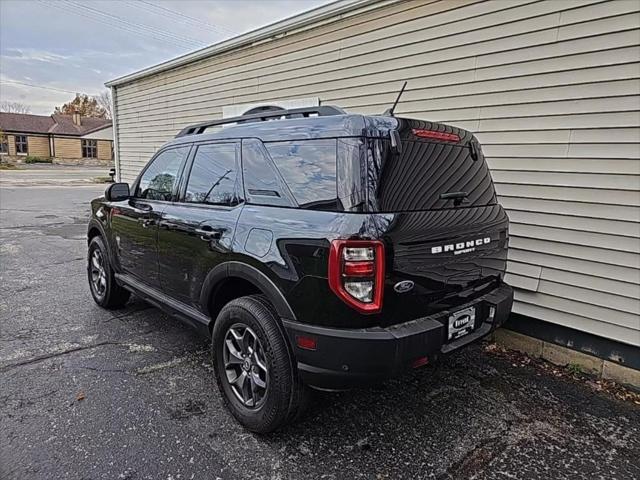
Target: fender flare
column 93, row 223
column 251, row 274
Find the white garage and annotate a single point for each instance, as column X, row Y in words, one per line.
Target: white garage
column 551, row 88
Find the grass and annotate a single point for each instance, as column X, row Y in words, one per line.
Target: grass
column 31, row 159
column 7, row 166
column 575, row 369
column 101, row 179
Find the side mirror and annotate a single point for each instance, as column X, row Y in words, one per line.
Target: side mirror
column 117, row 192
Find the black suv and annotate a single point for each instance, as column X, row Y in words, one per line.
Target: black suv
column 314, row 247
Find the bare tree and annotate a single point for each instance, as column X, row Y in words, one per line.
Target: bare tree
column 14, row 107
column 104, row 100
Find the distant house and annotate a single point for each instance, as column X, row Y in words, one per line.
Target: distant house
column 63, row 138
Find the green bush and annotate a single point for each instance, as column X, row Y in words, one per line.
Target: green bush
column 31, row 159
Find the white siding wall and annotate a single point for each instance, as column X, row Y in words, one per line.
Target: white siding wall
column 552, row 88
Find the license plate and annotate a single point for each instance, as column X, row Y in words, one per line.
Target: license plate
column 461, row 323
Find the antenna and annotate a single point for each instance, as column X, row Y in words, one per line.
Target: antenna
column 389, row 111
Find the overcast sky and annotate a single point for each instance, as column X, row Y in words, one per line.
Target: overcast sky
column 69, row 46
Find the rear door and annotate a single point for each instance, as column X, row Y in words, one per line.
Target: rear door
column 436, row 208
column 196, row 232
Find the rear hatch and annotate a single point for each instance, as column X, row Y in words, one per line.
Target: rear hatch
column 432, row 200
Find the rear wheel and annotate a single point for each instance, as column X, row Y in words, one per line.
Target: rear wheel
column 254, row 367
column 104, row 288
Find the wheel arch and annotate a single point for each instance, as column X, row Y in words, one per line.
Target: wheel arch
column 234, row 271
column 95, row 229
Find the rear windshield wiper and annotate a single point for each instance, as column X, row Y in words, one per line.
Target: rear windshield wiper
column 457, row 197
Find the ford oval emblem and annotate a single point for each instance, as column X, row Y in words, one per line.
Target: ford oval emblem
column 403, row 286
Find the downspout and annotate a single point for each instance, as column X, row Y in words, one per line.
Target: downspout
column 52, row 146
column 114, row 124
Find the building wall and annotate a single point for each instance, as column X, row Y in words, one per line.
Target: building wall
column 38, row 146
column 104, row 149
column 103, row 134
column 67, row 150
column 67, row 147
column 550, row 87
column 12, row 145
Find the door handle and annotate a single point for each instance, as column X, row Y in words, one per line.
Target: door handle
column 143, row 207
column 207, row 233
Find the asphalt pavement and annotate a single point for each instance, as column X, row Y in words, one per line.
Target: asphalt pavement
column 129, row 394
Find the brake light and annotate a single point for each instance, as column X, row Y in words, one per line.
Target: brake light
column 446, row 137
column 359, row 269
column 356, row 273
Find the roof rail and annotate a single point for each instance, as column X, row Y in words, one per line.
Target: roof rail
column 322, row 111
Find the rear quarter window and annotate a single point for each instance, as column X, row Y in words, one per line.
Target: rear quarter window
column 263, row 183
column 309, row 169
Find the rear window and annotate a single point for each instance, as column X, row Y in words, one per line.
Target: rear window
column 212, row 179
column 309, row 169
column 416, row 178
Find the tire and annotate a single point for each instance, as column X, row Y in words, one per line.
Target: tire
column 280, row 401
column 104, row 289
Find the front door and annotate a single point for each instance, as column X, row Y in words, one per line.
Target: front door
column 196, row 232
column 134, row 222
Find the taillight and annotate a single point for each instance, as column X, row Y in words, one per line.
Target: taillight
column 356, row 273
column 444, row 136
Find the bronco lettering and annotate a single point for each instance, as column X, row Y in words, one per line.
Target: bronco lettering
column 462, row 247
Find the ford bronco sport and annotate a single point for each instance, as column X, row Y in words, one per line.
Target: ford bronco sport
column 315, row 248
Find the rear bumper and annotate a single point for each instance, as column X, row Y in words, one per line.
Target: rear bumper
column 345, row 358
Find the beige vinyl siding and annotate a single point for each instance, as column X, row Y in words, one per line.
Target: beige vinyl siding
column 551, row 88
column 104, row 149
column 38, row 146
column 12, row 145
column 67, row 147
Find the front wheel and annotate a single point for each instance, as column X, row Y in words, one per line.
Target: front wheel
column 254, row 368
column 104, row 289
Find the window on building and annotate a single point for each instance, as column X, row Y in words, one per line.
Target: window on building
column 89, row 149
column 158, row 179
column 4, row 145
column 213, row 175
column 22, row 146
column 309, row 168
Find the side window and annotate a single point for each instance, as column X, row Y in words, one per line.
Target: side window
column 158, row 179
column 262, row 183
column 213, row 175
column 22, row 145
column 4, row 144
column 89, row 148
column 309, row 168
